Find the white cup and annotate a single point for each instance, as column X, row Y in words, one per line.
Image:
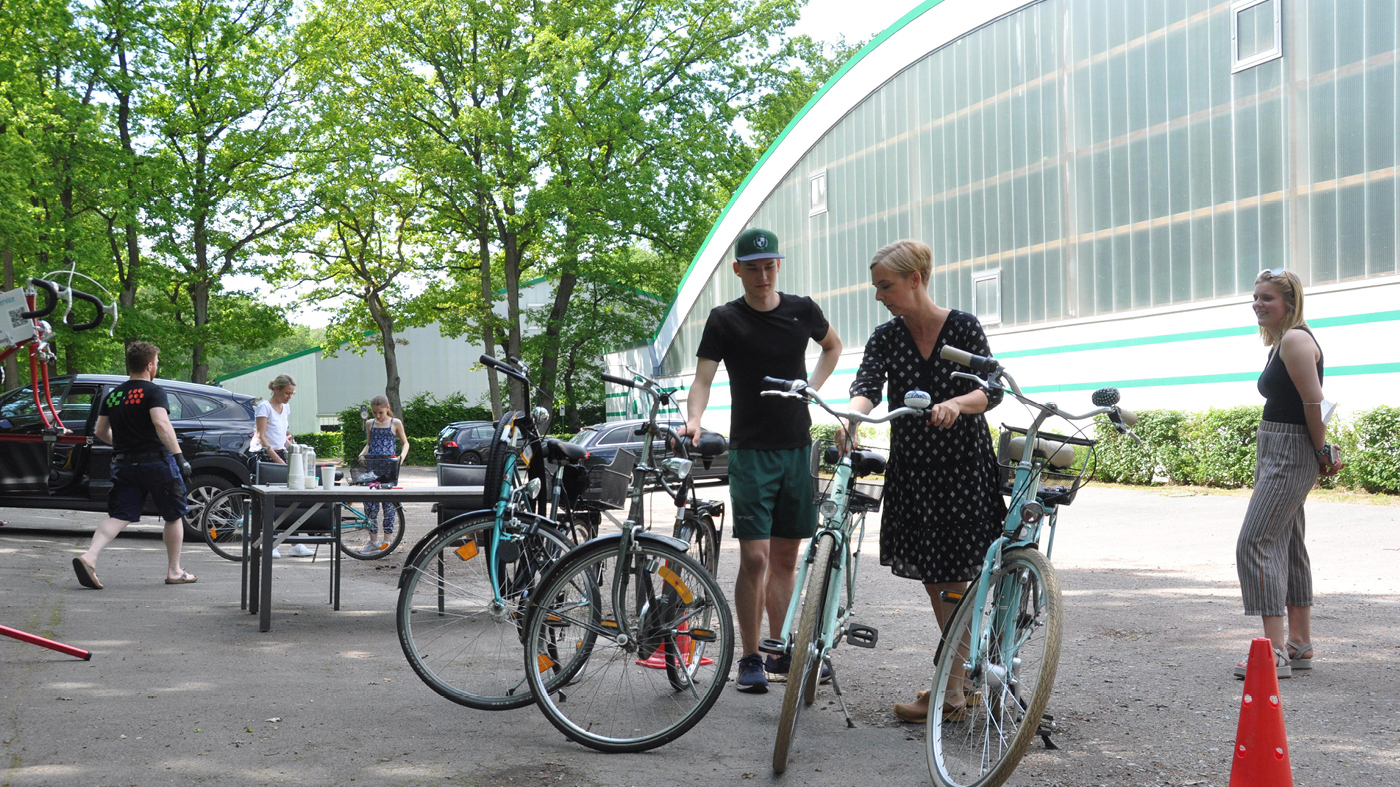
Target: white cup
column 327, row 476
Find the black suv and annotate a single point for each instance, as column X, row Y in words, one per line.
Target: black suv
column 464, row 442
column 73, row 471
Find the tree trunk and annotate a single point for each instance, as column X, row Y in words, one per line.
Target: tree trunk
column 127, row 273
column 385, row 321
column 7, row 261
column 199, row 297
column 488, row 337
column 549, row 358
column 512, row 261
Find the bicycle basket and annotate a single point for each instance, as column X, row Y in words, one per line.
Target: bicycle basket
column 608, row 482
column 1058, row 485
column 374, row 469
column 864, row 495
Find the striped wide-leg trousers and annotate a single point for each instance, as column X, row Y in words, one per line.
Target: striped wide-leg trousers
column 1270, row 556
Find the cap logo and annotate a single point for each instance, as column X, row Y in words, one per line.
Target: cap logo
column 760, row 242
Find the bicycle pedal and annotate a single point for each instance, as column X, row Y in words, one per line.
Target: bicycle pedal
column 862, row 636
column 950, row 597
column 699, row 635
column 774, row 647
column 1047, row 728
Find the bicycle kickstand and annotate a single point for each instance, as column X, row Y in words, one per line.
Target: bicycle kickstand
column 1047, row 728
column 839, row 696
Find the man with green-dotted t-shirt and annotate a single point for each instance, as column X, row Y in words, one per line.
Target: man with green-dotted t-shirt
column 764, row 334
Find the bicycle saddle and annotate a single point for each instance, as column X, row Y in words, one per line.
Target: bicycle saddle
column 560, row 451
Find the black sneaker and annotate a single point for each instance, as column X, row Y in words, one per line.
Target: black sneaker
column 779, row 665
column 751, row 677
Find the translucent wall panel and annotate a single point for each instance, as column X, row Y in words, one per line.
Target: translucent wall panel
column 1103, row 157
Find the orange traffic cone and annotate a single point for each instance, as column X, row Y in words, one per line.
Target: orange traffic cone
column 1261, row 745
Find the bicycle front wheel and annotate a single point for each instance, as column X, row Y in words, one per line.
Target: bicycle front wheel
column 980, row 744
column 222, row 519
column 806, row 664
column 653, row 667
column 370, row 531
column 699, row 532
column 459, row 634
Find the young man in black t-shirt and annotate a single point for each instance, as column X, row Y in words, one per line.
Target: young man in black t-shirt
column 146, row 462
column 764, row 334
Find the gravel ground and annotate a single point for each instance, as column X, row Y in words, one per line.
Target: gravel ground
column 182, row 687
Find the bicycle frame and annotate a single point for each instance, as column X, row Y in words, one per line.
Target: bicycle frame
column 1016, row 532
column 837, row 522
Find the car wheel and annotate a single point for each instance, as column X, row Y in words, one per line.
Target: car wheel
column 198, row 492
column 469, row 458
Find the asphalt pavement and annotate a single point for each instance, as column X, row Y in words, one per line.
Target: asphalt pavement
column 183, row 689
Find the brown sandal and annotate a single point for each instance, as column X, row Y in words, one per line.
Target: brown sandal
column 87, row 575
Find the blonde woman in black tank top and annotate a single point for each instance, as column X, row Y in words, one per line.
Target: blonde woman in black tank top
column 1270, row 556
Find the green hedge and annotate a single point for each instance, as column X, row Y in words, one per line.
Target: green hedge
column 424, row 416
column 324, row 443
column 1217, row 448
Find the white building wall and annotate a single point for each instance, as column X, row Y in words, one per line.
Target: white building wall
column 1181, row 358
column 304, row 405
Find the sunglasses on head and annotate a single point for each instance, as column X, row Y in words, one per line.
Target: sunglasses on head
column 1272, row 272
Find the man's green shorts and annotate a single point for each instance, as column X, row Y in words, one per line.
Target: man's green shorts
column 770, row 492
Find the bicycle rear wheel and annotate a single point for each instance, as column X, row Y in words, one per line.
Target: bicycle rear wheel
column 806, row 665
column 456, row 636
column 358, row 529
column 221, row 522
column 1008, row 689
column 622, row 693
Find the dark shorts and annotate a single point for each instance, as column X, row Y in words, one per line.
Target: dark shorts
column 771, row 493
column 133, row 482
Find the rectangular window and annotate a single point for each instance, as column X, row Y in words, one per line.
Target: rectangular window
column 986, row 293
column 817, row 191
column 1256, row 32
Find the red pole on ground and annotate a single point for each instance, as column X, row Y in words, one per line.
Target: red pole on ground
column 32, row 639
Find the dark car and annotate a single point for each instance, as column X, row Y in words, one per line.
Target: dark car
column 605, row 439
column 464, row 442
column 73, row 471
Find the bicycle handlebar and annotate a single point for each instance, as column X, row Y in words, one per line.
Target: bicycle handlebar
column 504, row 368
column 615, row 380
column 50, row 300
column 92, row 299
column 799, row 389
column 994, row 375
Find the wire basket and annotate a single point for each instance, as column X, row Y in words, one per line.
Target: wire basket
column 609, row 482
column 863, row 496
column 1058, row 485
column 380, row 469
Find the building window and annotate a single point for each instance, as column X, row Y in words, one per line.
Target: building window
column 817, row 191
column 986, row 296
column 1256, row 32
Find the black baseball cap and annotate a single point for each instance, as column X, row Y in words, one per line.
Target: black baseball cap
column 756, row 244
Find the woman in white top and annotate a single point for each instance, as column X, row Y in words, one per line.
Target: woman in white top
column 272, row 416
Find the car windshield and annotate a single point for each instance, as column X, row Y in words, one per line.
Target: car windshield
column 583, row 436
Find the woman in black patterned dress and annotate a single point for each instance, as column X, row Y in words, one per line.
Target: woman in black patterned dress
column 943, row 504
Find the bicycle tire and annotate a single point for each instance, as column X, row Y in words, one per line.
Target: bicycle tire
column 699, row 532
column 455, row 638
column 221, row 522
column 615, row 700
column 983, row 748
column 506, row 444
column 354, row 536
column 804, row 659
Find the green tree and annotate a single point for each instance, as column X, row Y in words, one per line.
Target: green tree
column 805, row 65
column 547, row 134
column 227, row 110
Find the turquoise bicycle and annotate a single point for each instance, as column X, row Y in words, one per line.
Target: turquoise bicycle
column 998, row 656
column 828, row 571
